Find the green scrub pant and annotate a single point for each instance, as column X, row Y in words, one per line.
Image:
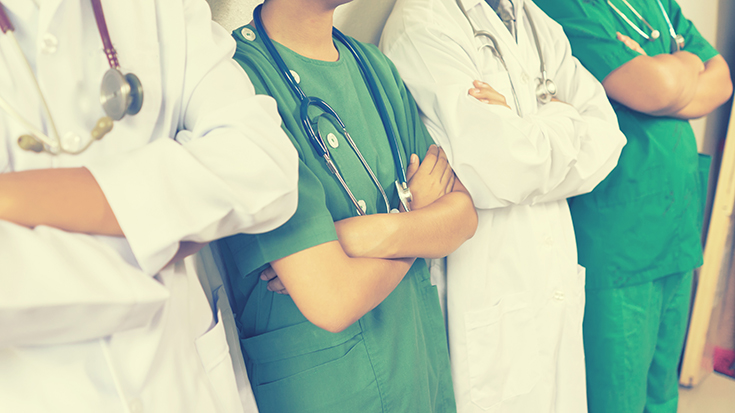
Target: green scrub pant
column 633, row 337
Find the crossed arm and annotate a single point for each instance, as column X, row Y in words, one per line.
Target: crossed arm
column 66, row 198
column 678, row 85
column 336, row 283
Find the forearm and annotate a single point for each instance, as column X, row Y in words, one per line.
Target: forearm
column 333, row 290
column 67, row 198
column 714, row 87
column 431, row 232
column 658, row 85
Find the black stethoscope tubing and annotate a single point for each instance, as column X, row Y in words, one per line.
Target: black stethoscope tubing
column 315, row 140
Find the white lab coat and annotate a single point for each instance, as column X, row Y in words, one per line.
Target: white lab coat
column 101, row 324
column 515, row 291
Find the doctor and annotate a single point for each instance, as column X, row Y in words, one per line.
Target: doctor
column 659, row 72
column 524, row 126
column 96, row 315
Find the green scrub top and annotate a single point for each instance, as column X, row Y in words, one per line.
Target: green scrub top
column 395, row 358
column 644, row 220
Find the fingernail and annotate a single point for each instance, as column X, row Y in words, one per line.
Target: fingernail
column 263, row 277
column 414, row 158
column 474, row 90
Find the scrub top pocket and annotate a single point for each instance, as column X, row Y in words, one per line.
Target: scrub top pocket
column 503, row 352
column 302, row 368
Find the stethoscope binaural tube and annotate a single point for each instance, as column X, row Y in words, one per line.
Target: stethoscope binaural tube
column 317, row 142
column 119, row 95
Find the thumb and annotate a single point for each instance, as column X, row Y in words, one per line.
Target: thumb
column 413, row 166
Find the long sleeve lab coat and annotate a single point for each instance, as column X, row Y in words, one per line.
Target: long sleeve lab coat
column 515, row 294
column 102, row 324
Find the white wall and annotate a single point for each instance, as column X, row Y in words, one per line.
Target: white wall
column 361, row 19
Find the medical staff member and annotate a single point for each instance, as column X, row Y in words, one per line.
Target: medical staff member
column 95, row 314
column 524, row 126
column 361, row 330
column 639, row 231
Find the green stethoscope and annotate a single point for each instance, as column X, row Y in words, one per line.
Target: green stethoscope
column 315, row 139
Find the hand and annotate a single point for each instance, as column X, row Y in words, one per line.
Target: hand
column 486, row 94
column 632, row 44
column 274, row 283
column 430, row 180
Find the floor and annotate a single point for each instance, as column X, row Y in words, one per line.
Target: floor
column 716, row 394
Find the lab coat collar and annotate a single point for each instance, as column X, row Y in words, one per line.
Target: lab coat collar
column 469, row 4
column 508, row 44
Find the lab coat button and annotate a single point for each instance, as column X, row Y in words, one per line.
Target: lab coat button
column 559, row 295
column 296, row 76
column 333, row 142
column 363, row 205
column 49, row 43
column 247, row 34
column 136, row 406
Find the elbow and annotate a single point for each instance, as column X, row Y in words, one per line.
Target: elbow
column 335, row 326
column 726, row 89
column 664, row 98
column 332, row 321
column 470, row 220
column 331, row 311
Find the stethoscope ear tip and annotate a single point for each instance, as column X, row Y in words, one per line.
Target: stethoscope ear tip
column 29, row 143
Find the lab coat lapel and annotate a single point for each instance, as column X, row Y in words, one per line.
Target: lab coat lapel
column 49, row 8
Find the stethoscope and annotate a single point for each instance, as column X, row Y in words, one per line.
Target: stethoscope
column 677, row 40
column 120, row 94
column 315, row 139
column 546, row 88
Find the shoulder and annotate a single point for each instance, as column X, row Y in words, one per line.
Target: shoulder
column 416, row 19
column 384, row 69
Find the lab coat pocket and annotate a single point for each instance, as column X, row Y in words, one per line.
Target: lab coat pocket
column 502, row 351
column 215, row 356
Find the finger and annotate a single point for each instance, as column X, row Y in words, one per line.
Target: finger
column 450, row 182
column 268, row 274
column 442, row 163
column 413, row 166
column 432, row 154
column 275, row 285
column 488, row 95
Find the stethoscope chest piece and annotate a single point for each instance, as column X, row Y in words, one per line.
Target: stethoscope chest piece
column 546, row 89
column 120, row 94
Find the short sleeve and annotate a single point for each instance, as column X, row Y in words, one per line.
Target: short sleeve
column 311, row 225
column 591, row 34
column 694, row 42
